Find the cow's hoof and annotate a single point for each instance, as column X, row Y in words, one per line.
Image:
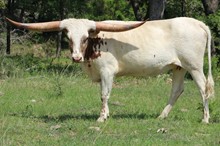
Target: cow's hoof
column 161, row 117
column 101, row 119
column 206, row 121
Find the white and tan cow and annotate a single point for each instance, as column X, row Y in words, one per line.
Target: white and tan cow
column 107, row 49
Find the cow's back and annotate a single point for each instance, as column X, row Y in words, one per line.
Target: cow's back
column 153, row 48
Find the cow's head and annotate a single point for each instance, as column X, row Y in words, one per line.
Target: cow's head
column 78, row 31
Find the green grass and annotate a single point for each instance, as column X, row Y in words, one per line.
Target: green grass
column 55, row 109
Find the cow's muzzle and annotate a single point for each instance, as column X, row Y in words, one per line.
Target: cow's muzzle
column 77, row 59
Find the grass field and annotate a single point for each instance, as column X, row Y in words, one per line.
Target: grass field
column 60, row 108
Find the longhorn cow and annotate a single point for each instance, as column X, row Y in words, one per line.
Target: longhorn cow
column 107, row 49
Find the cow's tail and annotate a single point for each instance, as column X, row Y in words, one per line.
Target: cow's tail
column 209, row 88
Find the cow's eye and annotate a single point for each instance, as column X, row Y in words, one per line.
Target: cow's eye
column 84, row 39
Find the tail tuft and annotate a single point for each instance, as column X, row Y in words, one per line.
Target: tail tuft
column 209, row 87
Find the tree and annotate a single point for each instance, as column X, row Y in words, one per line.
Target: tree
column 9, row 11
column 148, row 9
column 210, row 6
column 139, row 8
column 183, row 8
column 59, row 36
column 156, row 9
column 2, row 8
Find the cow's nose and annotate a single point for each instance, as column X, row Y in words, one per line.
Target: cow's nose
column 76, row 59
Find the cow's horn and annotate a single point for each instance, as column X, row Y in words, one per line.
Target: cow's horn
column 117, row 27
column 44, row 26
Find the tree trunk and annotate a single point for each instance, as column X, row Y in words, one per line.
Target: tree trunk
column 59, row 36
column 136, row 8
column 156, row 9
column 210, row 6
column 21, row 15
column 183, row 8
column 8, row 48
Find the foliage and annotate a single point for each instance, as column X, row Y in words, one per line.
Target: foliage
column 214, row 22
column 2, row 4
column 186, row 8
column 215, row 67
column 112, row 10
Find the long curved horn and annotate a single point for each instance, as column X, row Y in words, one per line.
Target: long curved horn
column 44, row 26
column 114, row 27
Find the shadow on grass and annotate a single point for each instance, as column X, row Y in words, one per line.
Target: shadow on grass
column 135, row 116
column 89, row 117
column 94, row 117
column 62, row 118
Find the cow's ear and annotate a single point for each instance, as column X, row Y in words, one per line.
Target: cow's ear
column 65, row 31
column 93, row 33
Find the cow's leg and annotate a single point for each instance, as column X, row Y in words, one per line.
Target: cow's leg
column 177, row 89
column 199, row 78
column 106, row 87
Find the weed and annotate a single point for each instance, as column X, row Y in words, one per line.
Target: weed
column 28, row 111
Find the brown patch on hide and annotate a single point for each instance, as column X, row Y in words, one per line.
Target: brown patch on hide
column 93, row 48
